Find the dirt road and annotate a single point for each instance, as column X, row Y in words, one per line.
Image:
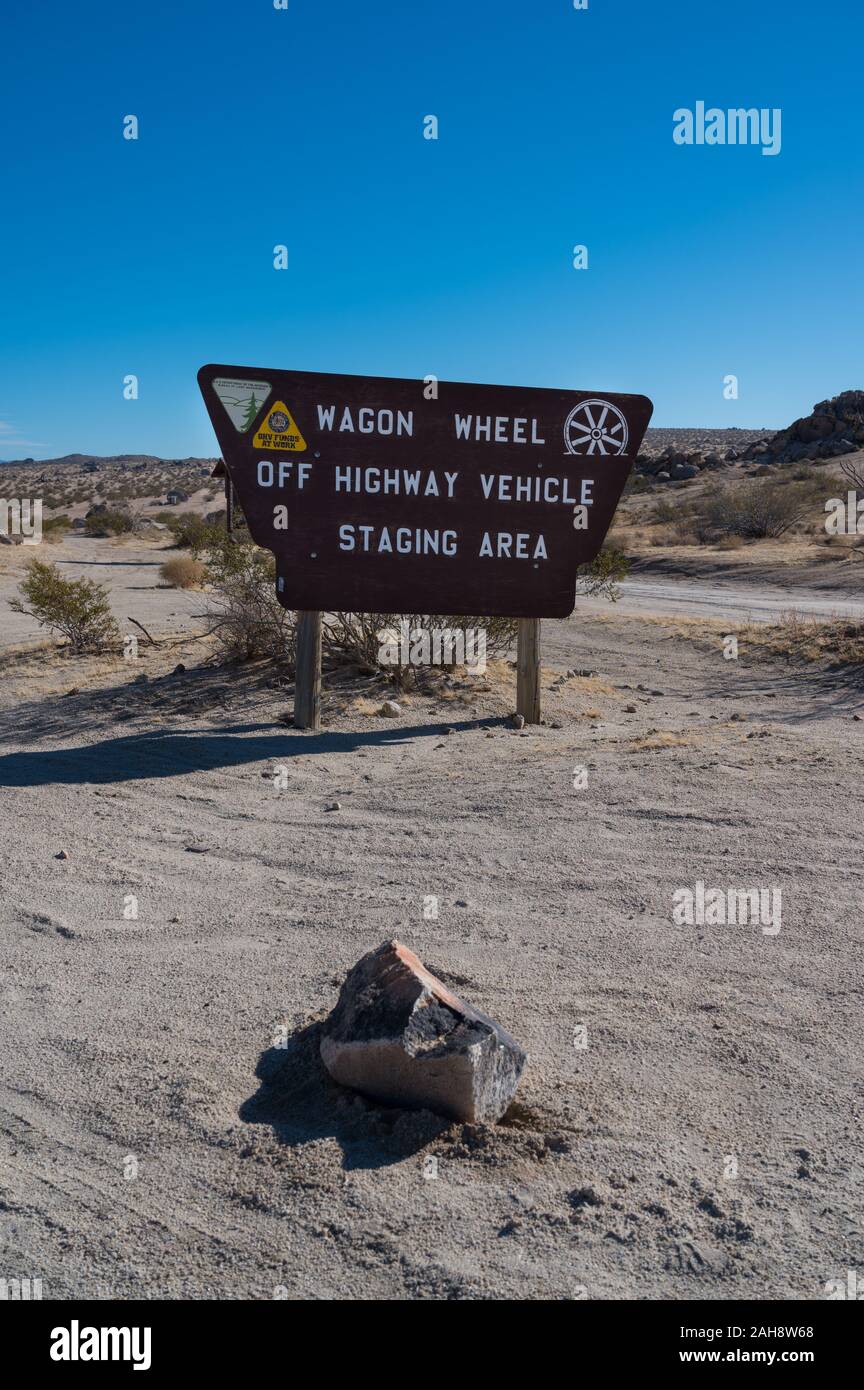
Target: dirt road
column 735, row 603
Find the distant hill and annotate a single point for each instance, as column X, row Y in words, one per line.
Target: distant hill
column 112, row 459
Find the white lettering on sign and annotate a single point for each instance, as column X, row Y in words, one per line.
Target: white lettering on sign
column 513, row 547
column 278, row 474
column 507, row 487
column 394, row 480
column 405, row 541
column 369, row 420
column 496, row 429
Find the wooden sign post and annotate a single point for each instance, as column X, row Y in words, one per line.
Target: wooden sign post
column 528, row 670
column 307, row 680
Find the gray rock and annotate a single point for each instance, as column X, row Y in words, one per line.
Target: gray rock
column 390, row 709
column 399, row 1036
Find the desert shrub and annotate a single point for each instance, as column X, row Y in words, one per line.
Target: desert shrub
column 803, row 472
column 200, row 536
column 76, row 608
column 55, row 528
column 853, row 473
column 664, row 536
column 600, row 578
column 183, row 572
column 665, row 511
column 111, row 522
column 189, row 531
column 753, row 510
column 247, row 618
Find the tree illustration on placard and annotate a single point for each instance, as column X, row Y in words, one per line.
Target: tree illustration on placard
column 251, row 411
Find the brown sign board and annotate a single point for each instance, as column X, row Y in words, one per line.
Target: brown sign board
column 394, row 495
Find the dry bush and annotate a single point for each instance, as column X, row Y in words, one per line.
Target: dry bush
column 753, row 510
column 195, row 533
column 55, row 529
column 681, row 533
column 853, row 472
column 840, row 641
column 359, row 638
column 183, row 572
column 76, row 608
column 112, row 522
column 664, row 510
column 247, row 618
column 600, row 578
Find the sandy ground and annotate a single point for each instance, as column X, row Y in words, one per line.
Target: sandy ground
column 167, row 1130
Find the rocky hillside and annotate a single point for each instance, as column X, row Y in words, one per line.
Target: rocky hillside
column 833, row 428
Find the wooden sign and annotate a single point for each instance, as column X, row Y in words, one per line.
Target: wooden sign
column 392, row 495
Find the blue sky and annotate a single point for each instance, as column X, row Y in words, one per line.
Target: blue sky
column 410, row 256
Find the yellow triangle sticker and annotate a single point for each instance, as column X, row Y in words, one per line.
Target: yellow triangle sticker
column 279, row 431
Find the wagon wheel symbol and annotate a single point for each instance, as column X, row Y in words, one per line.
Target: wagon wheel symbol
column 595, row 427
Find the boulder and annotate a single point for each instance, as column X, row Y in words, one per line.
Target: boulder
column 817, row 427
column 399, row 1036
column 833, row 448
